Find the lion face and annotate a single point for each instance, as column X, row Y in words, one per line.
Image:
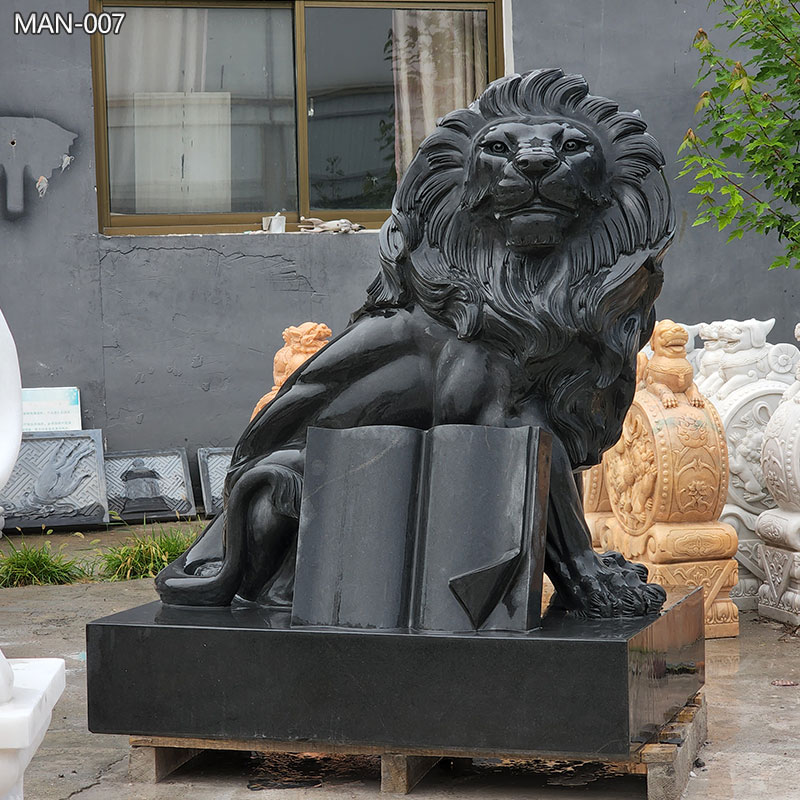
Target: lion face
column 536, row 176
column 669, row 339
column 314, row 334
column 735, row 335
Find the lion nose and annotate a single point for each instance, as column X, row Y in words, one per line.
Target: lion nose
column 535, row 162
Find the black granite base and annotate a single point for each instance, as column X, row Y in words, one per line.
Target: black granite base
column 579, row 688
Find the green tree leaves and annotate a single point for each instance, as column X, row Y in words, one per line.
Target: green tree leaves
column 744, row 153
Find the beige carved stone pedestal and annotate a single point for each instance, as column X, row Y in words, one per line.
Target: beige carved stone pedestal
column 667, row 483
column 596, row 503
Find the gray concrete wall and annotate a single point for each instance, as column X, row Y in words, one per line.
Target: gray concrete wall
column 171, row 339
column 640, row 55
column 191, row 324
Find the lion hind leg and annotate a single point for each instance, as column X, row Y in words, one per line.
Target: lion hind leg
column 268, row 576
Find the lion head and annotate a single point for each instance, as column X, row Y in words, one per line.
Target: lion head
column 307, row 337
column 536, row 177
column 669, row 339
column 537, row 220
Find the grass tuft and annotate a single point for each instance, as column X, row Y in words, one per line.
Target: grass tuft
column 37, row 566
column 143, row 556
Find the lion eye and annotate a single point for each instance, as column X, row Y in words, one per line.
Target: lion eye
column 573, row 145
column 498, row 147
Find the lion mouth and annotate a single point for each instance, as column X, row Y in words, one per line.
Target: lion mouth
column 535, row 209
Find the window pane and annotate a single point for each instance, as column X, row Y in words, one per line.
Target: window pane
column 201, row 111
column 378, row 79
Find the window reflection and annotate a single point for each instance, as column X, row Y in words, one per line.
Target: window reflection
column 377, row 80
column 201, row 111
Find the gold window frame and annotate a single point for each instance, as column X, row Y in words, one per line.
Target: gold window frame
column 232, row 222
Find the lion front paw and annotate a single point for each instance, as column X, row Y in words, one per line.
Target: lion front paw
column 669, row 400
column 612, row 586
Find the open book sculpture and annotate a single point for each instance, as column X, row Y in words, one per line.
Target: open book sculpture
column 518, row 274
column 438, row 530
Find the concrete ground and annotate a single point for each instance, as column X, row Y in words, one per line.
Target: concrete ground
column 753, row 750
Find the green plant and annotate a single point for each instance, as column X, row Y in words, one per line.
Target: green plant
column 750, row 121
column 143, row 556
column 38, row 565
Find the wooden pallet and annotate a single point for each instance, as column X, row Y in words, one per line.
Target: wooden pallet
column 666, row 762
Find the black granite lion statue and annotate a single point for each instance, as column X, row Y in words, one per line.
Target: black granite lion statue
column 518, row 274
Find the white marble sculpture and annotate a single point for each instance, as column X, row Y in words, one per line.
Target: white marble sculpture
column 10, row 406
column 737, row 353
column 745, row 377
column 779, row 528
column 693, row 352
column 32, row 687
column 29, row 688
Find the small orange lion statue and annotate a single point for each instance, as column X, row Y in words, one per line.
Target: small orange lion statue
column 668, row 373
column 302, row 341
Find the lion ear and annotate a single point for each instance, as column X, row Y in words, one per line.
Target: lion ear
column 760, row 330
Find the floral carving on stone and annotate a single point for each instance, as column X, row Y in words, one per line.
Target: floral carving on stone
column 701, row 496
column 692, row 432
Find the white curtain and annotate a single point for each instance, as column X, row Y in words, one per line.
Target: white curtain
column 169, row 139
column 440, row 63
column 158, row 50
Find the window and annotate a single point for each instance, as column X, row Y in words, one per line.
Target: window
column 211, row 115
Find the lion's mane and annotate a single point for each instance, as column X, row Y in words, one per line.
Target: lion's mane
column 574, row 317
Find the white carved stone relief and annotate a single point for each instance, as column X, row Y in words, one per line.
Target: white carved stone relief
column 779, row 528
column 693, row 352
column 737, row 353
column 745, row 377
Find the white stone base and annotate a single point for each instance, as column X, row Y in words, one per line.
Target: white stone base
column 779, row 614
column 751, row 575
column 779, row 595
column 38, row 683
